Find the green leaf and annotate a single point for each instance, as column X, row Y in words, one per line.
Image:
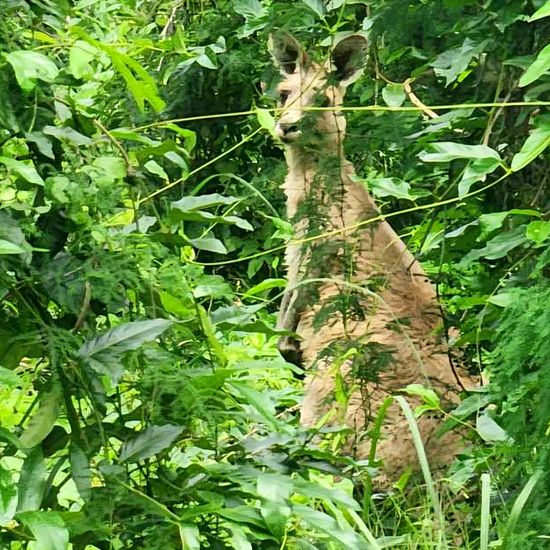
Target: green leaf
column 190, row 204
column 266, row 284
column 111, row 166
column 154, row 167
column 489, row 430
column 471, row 405
column 476, row 171
column 25, row 169
column 538, row 231
column 266, row 120
column 69, row 135
column 80, row 55
column 10, row 248
column 125, row 337
column 543, row 11
column 7, row 376
column 189, row 536
column 80, row 471
column 394, row 95
column 249, row 9
column 42, row 421
column 539, row 67
column 497, row 247
column 8, row 496
column 208, row 243
column 428, row 395
column 31, row 481
column 30, row 66
column 445, row 151
column 48, row 529
column 504, row 299
column 149, row 443
column 452, row 64
column 317, row 6
column 391, row 187
column 274, row 487
column 534, row 145
column 276, row 516
column 259, row 402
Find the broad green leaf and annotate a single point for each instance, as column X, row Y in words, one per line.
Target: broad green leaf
column 125, row 337
column 276, row 516
column 149, row 443
column 259, row 402
column 80, row 471
column 427, row 394
column 42, row 421
column 8, row 496
column 210, row 244
column 189, row 204
column 452, row 64
column 31, row 481
column 543, row 11
column 266, row 284
column 534, row 145
column 330, row 494
column 154, row 167
column 114, row 167
column 10, row 248
column 238, row 538
column 25, row 169
column 48, row 529
column 392, row 187
column 8, row 377
column 539, row 67
column 30, row 66
column 476, row 171
column 318, row 6
column 80, row 55
column 497, row 247
column 274, row 487
column 68, row 134
column 538, row 231
column 266, row 120
column 489, row 430
column 394, row 95
column 504, row 299
column 326, row 524
column 446, row 151
column 189, row 536
column 249, row 9
column 471, row 405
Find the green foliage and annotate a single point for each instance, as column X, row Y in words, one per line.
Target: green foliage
column 143, row 404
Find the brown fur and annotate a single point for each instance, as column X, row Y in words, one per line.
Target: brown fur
column 401, row 312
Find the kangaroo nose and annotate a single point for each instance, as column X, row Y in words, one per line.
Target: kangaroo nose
column 288, row 128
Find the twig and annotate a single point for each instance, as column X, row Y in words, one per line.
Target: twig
column 415, row 101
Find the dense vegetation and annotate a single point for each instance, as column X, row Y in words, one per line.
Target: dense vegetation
column 143, row 402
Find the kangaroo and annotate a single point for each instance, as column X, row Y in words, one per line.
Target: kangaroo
column 365, row 312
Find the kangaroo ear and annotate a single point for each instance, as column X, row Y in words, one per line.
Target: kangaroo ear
column 348, row 58
column 287, row 52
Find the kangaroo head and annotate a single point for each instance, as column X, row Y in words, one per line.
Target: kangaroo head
column 309, row 84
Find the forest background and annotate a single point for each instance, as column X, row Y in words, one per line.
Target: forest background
column 143, row 403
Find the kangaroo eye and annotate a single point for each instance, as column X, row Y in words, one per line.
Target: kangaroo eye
column 283, row 97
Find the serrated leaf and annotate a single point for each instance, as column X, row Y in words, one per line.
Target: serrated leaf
column 125, row 337
column 539, row 67
column 42, row 421
column 149, row 443
column 394, row 95
column 534, row 145
column 24, row 169
column 10, row 248
column 30, row 66
column 538, row 231
column 48, row 529
column 489, row 430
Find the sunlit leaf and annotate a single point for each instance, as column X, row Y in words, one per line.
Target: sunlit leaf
column 394, row 95
column 8, row 496
column 31, row 483
column 6, row 247
column 210, row 244
column 534, row 145
column 540, row 66
column 538, row 231
column 24, row 169
column 489, row 430
column 30, row 66
column 543, row 11
column 42, row 421
column 48, row 529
